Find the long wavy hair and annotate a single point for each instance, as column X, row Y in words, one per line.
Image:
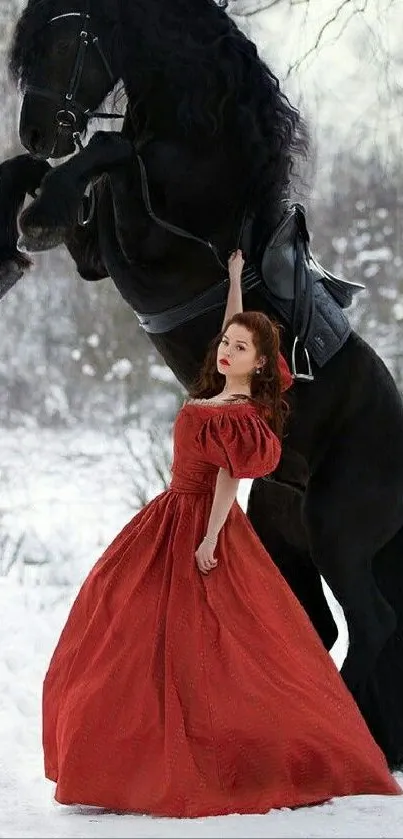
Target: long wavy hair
column 266, row 387
column 219, row 83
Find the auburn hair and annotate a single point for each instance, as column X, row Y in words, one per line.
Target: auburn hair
column 267, row 386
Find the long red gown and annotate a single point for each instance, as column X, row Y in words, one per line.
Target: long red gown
column 178, row 694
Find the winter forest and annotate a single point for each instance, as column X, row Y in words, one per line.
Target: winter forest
column 72, row 352
column 86, row 402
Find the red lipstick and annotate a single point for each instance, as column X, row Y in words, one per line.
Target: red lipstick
column 223, row 361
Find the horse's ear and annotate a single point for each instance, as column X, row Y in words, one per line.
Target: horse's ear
column 223, row 3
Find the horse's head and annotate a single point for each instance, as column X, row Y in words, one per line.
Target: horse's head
column 64, row 58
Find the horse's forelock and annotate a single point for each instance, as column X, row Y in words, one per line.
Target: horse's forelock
column 33, row 18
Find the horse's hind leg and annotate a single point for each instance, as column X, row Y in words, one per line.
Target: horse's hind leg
column 274, row 510
column 381, row 698
column 343, row 548
column 345, row 532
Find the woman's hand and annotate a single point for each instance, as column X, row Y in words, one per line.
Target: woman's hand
column 205, row 558
column 235, row 266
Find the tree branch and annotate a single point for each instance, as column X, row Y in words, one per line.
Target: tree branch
column 264, row 6
column 322, row 31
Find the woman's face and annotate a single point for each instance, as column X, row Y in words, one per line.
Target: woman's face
column 236, row 354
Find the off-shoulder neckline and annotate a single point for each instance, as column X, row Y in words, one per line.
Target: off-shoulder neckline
column 211, row 403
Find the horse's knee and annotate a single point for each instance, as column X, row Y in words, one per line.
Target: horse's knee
column 106, row 148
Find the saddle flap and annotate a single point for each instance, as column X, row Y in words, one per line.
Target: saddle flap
column 342, row 290
column 279, row 259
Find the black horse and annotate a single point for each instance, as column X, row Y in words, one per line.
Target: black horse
column 203, row 163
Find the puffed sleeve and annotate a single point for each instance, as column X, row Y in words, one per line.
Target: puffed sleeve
column 240, row 442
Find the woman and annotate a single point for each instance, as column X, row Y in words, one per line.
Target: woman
column 188, row 680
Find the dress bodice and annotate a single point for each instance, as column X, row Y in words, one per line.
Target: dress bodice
column 211, row 435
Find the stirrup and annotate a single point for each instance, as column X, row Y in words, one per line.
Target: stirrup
column 301, row 377
column 83, row 217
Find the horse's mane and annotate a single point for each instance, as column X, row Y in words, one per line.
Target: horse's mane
column 221, row 85
column 212, row 72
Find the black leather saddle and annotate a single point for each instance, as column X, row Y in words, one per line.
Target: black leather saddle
column 309, row 298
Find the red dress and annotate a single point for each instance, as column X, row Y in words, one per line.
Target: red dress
column 178, row 694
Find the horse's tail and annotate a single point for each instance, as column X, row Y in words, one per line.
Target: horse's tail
column 381, row 701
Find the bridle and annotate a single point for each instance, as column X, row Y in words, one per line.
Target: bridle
column 67, row 121
column 69, row 105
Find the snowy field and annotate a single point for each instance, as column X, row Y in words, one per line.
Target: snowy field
column 63, row 496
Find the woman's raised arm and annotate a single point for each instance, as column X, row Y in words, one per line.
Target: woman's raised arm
column 234, row 299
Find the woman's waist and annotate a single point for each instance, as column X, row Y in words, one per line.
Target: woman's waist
column 194, row 480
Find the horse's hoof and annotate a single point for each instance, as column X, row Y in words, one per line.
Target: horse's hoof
column 40, row 230
column 10, row 272
column 36, row 239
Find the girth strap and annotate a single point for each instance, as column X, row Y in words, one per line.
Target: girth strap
column 213, row 298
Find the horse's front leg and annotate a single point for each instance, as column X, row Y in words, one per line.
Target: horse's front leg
column 45, row 223
column 19, row 176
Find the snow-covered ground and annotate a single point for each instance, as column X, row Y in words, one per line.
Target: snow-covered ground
column 63, row 496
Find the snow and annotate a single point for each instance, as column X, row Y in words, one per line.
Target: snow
column 122, row 368
column 398, row 311
column 71, row 491
column 380, row 255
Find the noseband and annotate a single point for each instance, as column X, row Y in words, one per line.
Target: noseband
column 67, row 115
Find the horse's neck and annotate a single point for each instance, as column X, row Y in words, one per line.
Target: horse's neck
column 218, row 160
column 149, row 15
column 169, row 32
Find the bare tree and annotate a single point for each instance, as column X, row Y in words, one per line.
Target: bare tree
column 9, row 10
column 247, row 8
column 150, row 469
column 338, row 16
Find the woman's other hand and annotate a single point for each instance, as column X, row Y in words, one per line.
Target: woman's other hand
column 205, row 558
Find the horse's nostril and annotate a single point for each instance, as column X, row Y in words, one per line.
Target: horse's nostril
column 35, row 140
